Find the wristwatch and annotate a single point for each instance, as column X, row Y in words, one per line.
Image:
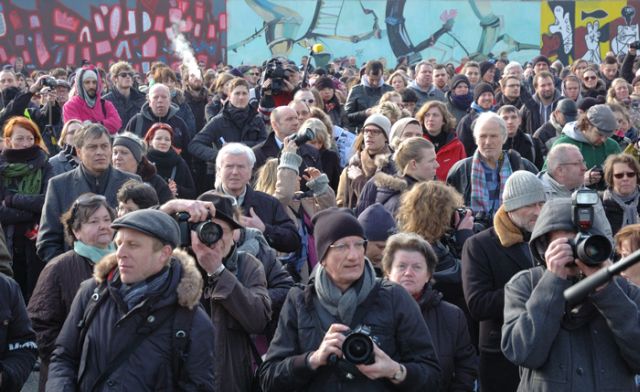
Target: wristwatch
column 216, row 274
column 400, row 374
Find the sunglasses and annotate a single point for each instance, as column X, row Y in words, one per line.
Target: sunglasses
column 125, row 74
column 621, row 175
column 308, row 100
column 590, row 77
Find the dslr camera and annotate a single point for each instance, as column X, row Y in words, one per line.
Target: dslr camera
column 275, row 71
column 208, row 231
column 302, row 136
column 358, row 346
column 591, row 249
column 49, row 82
column 635, row 45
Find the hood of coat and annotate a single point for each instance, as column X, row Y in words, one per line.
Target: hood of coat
column 556, row 216
column 189, row 289
column 572, row 131
column 146, row 112
column 79, row 88
column 388, row 181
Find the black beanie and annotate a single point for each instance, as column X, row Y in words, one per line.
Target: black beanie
column 485, row 66
column 332, row 224
column 480, row 89
column 457, row 79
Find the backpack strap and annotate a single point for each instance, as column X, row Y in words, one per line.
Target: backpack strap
column 515, row 160
column 97, row 298
column 104, row 109
column 180, row 342
column 139, row 124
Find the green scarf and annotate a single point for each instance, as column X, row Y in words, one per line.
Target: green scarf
column 93, row 253
column 29, row 180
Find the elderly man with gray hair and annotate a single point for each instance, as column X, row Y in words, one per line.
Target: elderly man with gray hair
column 234, row 166
column 481, row 178
column 564, row 174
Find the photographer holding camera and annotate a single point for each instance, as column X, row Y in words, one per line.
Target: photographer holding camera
column 235, row 289
column 347, row 330
column 277, row 85
column 592, row 346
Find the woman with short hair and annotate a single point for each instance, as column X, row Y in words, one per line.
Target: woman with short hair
column 621, row 199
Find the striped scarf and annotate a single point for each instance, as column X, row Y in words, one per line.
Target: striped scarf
column 480, row 200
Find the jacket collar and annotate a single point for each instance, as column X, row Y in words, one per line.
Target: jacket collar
column 189, row 289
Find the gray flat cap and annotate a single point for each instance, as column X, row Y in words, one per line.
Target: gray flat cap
column 154, row 223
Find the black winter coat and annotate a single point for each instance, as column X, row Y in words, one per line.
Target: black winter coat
column 464, row 130
column 232, row 125
column 18, row 348
column 385, row 189
column 76, row 365
column 530, row 113
column 127, row 107
column 280, row 231
column 486, row 267
column 395, row 320
column 170, row 165
column 360, row 99
column 615, row 214
column 448, row 327
column 197, row 102
column 141, row 122
column 523, row 144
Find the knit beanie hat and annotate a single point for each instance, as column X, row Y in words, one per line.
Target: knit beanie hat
column 132, row 144
column 522, row 188
column 585, row 103
column 480, row 89
column 379, row 121
column 377, row 222
column 457, row 79
column 540, row 58
column 89, row 74
column 399, row 126
column 332, row 224
column 485, row 66
column 323, row 82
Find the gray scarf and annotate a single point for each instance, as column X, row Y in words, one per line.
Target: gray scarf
column 343, row 305
column 629, row 205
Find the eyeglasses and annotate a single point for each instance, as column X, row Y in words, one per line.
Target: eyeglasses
column 342, row 248
column 590, row 77
column 372, row 131
column 85, row 200
column 621, row 175
column 125, row 74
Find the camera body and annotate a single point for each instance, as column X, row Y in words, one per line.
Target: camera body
column 358, row 346
column 275, row 71
column 49, row 82
column 302, row 136
column 635, row 45
column 208, row 231
column 591, row 249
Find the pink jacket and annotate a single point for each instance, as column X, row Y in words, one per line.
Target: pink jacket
column 102, row 112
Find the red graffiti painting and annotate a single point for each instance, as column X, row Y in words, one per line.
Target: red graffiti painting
column 61, row 33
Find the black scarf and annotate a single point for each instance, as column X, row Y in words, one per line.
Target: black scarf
column 164, row 161
column 239, row 117
column 438, row 141
column 33, row 155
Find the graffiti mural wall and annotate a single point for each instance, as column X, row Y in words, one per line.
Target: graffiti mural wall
column 417, row 29
column 51, row 33
column 588, row 29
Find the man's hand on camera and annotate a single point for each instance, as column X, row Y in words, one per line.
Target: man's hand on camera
column 289, row 145
column 198, row 210
column 559, row 258
column 253, row 220
column 466, row 223
column 266, row 87
column 209, row 258
column 331, row 344
column 383, row 367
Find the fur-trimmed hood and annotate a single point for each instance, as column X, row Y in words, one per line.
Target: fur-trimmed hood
column 395, row 183
column 189, row 290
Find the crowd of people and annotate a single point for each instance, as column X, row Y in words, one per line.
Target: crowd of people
column 285, row 227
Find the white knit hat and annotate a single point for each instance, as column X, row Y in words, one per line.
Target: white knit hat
column 523, row 188
column 379, row 121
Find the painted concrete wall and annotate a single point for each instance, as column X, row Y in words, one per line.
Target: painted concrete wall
column 62, row 32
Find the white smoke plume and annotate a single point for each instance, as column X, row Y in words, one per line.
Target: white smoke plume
column 182, row 48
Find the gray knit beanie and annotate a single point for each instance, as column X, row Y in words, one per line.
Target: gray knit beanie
column 522, row 188
column 379, row 121
column 133, row 143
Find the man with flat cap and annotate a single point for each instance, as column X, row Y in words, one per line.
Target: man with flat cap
column 138, row 324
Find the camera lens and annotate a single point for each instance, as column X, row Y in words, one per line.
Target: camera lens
column 208, row 232
column 592, row 249
column 358, row 349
